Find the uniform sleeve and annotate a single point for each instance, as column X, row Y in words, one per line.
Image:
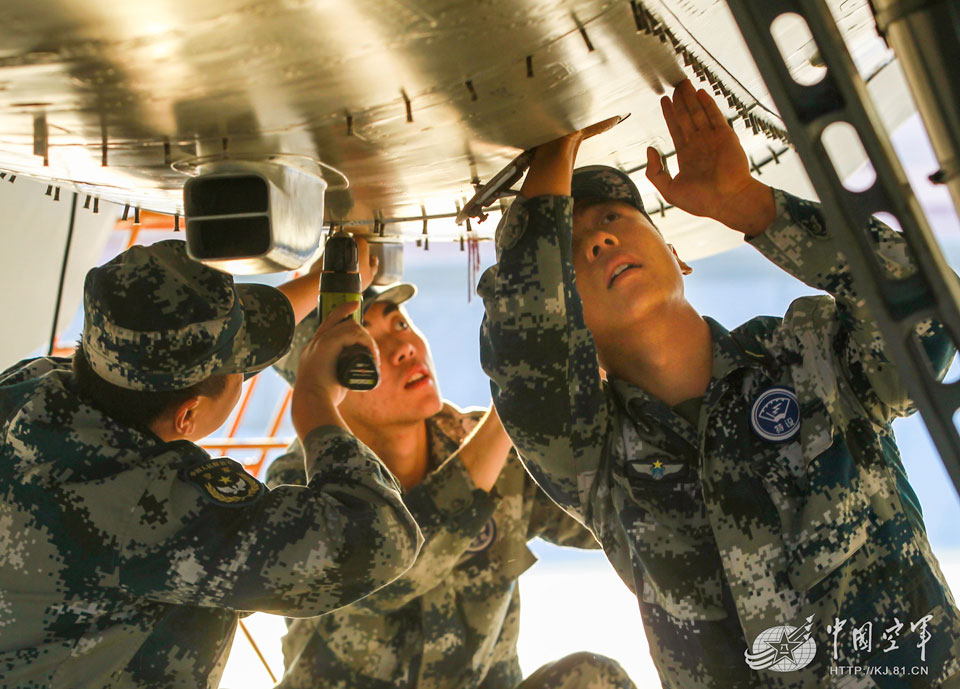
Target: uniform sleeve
column 298, row 551
column 552, row 524
column 799, row 242
column 450, row 510
column 539, row 355
column 302, row 334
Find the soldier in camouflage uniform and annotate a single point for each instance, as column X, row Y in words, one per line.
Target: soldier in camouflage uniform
column 126, row 551
column 452, row 620
column 740, row 482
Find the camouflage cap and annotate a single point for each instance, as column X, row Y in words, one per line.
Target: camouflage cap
column 605, row 182
column 154, row 319
column 397, row 293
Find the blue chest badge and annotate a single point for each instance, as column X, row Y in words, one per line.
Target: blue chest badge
column 775, row 415
column 486, row 536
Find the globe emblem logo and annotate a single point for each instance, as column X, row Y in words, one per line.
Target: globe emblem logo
column 782, row 649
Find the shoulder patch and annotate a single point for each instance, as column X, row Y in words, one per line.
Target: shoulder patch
column 224, row 482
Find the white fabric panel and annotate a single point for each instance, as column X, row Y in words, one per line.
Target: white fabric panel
column 32, row 242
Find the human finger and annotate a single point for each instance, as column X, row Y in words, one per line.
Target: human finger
column 348, row 333
column 681, row 114
column 318, row 364
column 670, row 117
column 691, row 102
column 374, row 268
column 712, row 110
column 368, row 263
column 657, row 172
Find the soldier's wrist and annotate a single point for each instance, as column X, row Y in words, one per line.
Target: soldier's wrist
column 312, row 409
column 753, row 211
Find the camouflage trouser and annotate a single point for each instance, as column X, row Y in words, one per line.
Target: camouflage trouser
column 579, row 671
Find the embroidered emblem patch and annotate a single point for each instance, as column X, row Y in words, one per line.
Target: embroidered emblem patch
column 656, row 469
column 775, row 415
column 224, row 482
column 487, row 535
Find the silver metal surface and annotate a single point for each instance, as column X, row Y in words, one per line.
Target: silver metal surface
column 413, row 100
column 924, row 35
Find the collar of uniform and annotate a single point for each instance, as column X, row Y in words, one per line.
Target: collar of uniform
column 731, row 353
column 657, row 423
column 630, row 396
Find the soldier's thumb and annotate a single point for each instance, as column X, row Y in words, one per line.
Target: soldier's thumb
column 657, row 172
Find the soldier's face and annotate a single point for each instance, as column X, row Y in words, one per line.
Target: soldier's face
column 625, row 270
column 408, row 390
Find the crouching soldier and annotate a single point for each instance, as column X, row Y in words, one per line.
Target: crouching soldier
column 452, row 620
column 126, row 551
column 745, row 484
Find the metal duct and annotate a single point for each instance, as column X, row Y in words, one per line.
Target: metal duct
column 248, row 217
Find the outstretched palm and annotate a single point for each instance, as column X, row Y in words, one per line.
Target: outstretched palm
column 714, row 174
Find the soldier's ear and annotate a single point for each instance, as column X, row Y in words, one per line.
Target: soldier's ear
column 684, row 268
column 185, row 417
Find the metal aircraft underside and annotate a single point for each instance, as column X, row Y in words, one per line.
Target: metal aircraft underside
column 411, row 101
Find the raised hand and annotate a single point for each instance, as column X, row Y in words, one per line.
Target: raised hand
column 714, row 178
column 552, row 166
column 368, row 264
column 317, row 392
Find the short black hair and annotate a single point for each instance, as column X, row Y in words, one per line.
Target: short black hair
column 584, row 204
column 137, row 408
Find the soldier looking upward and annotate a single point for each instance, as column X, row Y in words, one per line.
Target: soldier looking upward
column 452, row 621
column 741, row 482
column 127, row 553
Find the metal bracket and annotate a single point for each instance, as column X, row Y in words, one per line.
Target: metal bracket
column 897, row 11
column 897, row 305
column 498, row 187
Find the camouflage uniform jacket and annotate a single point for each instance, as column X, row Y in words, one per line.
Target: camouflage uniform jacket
column 452, row 621
column 720, row 533
column 124, row 560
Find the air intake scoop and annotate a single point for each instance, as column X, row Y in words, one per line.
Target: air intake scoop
column 248, row 217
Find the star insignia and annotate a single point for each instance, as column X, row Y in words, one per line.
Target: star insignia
column 784, row 648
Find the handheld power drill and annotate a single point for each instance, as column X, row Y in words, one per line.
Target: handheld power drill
column 340, row 283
